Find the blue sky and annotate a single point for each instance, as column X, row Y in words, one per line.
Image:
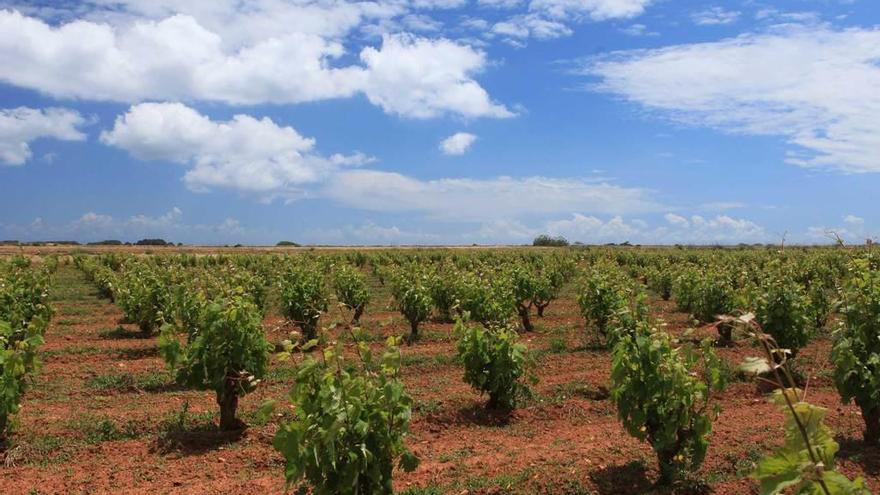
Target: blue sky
column 440, row 121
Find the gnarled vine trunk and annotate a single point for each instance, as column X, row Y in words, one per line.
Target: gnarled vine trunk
column 413, row 331
column 725, row 332
column 871, row 415
column 540, row 308
column 309, row 329
column 4, row 420
column 526, row 321
column 227, row 399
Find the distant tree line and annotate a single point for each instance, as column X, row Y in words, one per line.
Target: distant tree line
column 153, row 242
column 546, row 240
column 109, row 242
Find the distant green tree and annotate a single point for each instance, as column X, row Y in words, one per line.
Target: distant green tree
column 546, row 240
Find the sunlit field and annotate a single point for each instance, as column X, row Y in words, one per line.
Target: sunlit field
column 503, row 370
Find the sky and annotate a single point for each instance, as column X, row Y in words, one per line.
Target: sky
column 440, row 121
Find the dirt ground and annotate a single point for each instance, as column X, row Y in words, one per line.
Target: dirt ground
column 103, row 416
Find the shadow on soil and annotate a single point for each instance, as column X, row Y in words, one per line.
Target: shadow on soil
column 627, row 479
column 196, row 440
column 855, row 451
column 120, row 332
column 476, row 414
column 632, row 479
column 138, row 352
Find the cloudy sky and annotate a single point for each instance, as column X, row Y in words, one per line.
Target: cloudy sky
column 440, row 121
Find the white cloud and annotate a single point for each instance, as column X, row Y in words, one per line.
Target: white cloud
column 482, row 199
column 439, row 4
column 421, row 78
column 550, row 19
column 171, row 217
column 591, row 229
column 20, row 126
column 261, row 158
column 596, row 229
column 638, row 30
column 239, row 23
column 722, row 205
column 676, row 220
column 92, row 218
column 369, row 233
column 854, row 220
column 585, row 228
column 458, row 143
column 597, row 10
column 726, row 228
column 172, row 58
column 475, row 23
column 852, row 230
column 693, row 230
column 815, row 86
column 176, row 57
column 714, row 16
column 93, row 226
column 502, row 231
column 247, row 154
column 775, row 16
column 530, row 25
column 500, row 4
column 422, row 23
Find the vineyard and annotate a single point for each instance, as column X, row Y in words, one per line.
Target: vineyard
column 581, row 370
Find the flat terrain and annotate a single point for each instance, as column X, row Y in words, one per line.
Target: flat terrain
column 103, row 415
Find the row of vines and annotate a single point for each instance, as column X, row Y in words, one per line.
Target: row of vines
column 24, row 317
column 351, row 412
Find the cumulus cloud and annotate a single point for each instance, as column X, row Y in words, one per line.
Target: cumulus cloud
column 178, row 57
column 482, row 199
column 20, row 126
column 245, row 153
column 578, row 227
column 813, row 85
column 270, row 51
column 261, row 158
column 586, row 228
column 458, row 143
column 421, row 78
column 677, row 229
